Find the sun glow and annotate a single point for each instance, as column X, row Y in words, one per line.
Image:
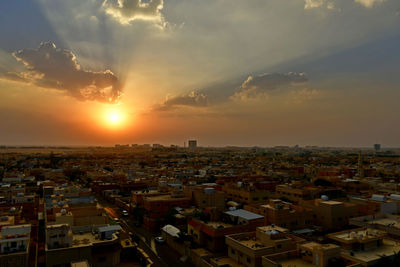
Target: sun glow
column 114, row 118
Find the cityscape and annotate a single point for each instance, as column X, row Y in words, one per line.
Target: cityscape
column 199, row 133
column 155, row 205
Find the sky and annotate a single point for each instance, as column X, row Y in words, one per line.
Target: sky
column 223, row 72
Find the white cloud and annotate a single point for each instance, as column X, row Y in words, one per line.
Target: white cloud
column 50, row 67
column 128, row 10
column 192, row 99
column 311, row 4
column 331, row 4
column 369, row 3
column 260, row 85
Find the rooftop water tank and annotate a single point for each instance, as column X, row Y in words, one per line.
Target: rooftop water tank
column 324, row 197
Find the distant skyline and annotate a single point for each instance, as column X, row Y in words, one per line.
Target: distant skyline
column 224, row 72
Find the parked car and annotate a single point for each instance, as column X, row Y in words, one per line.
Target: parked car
column 125, row 213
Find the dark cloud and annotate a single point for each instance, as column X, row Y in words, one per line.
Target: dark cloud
column 128, row 10
column 50, row 67
column 193, row 99
column 261, row 84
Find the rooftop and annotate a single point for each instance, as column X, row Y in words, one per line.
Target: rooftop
column 244, row 214
column 388, row 248
column 294, row 262
column 358, row 235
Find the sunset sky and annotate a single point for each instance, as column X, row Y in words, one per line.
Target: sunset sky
column 224, row 72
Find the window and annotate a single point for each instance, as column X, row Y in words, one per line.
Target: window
column 13, row 244
column 248, row 260
column 232, row 251
column 279, row 246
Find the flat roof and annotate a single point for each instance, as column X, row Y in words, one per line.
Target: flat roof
column 114, row 227
column 294, row 262
column 388, row 248
column 244, row 214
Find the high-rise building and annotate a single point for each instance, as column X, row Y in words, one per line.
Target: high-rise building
column 377, row 147
column 192, row 143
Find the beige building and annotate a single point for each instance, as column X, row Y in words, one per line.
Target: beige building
column 330, row 215
column 365, row 245
column 284, row 214
column 248, row 248
column 14, row 245
column 308, row 254
column 245, row 195
column 206, row 197
column 100, row 246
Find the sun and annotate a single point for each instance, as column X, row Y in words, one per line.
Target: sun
column 114, row 118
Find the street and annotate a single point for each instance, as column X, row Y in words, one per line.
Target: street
column 160, row 254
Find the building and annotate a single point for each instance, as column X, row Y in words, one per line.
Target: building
column 309, row 254
column 365, row 245
column 100, row 246
column 284, row 214
column 156, row 207
column 211, row 234
column 248, row 248
column 245, row 194
column 14, row 245
column 192, row 144
column 329, row 214
column 296, row 192
column 385, row 222
column 205, row 197
column 377, row 147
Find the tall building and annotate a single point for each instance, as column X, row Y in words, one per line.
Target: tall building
column 377, row 147
column 192, row 143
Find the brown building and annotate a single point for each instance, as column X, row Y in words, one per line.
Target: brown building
column 156, row 207
column 284, row 214
column 212, row 234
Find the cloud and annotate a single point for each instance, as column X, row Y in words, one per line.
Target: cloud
column 50, row 67
column 304, row 94
column 310, row 4
column 192, row 99
column 126, row 11
column 369, row 3
column 256, row 86
column 331, row 4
